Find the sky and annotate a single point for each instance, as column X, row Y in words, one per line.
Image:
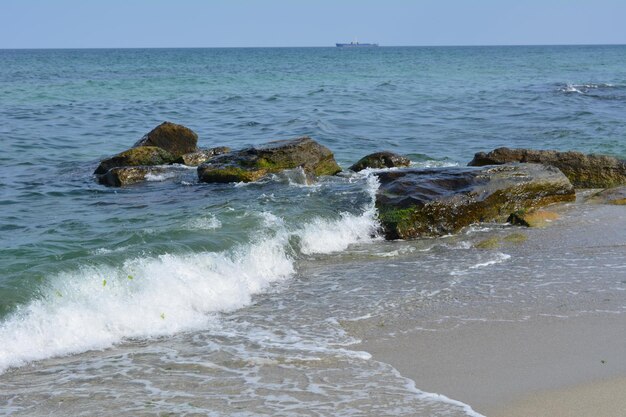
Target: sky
column 263, row 23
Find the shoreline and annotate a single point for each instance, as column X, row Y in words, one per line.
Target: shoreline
column 545, row 364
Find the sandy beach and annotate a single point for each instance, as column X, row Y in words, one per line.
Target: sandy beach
column 545, row 366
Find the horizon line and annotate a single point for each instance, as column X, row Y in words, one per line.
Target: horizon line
column 311, row 46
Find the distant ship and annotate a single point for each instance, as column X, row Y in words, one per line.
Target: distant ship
column 356, row 44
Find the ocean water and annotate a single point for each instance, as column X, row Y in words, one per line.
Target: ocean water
column 176, row 297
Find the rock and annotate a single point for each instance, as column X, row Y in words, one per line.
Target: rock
column 143, row 155
column 584, row 171
column 432, row 202
column 176, row 139
column 252, row 163
column 381, row 160
column 533, row 218
column 194, row 159
column 120, row 176
column 616, row 196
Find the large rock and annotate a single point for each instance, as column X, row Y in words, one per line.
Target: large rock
column 433, row 202
column 584, row 171
column 253, row 163
column 176, row 139
column 120, row 176
column 194, row 159
column 381, row 160
column 143, row 155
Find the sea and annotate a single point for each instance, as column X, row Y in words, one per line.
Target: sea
column 175, row 297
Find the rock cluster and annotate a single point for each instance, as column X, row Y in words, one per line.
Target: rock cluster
column 502, row 185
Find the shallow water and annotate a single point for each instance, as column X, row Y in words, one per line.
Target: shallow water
column 179, row 297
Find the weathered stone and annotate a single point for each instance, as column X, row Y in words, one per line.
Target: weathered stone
column 194, row 159
column 584, row 171
column 533, row 218
column 433, row 202
column 615, row 196
column 120, row 176
column 252, row 163
column 176, row 139
column 143, row 155
column 381, row 160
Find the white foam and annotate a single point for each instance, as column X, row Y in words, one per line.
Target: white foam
column 159, row 177
column 95, row 307
column 327, row 236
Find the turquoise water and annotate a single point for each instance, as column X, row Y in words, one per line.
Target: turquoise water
column 89, row 267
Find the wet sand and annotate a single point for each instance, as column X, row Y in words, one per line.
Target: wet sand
column 541, row 366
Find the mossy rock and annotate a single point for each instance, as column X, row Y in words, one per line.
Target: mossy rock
column 177, row 139
column 143, row 155
column 515, row 238
column 383, row 159
column 583, row 171
column 533, row 218
column 489, row 243
column 433, row 202
column 253, row 163
column 121, row 176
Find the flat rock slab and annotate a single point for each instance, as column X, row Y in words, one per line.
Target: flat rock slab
column 432, row 202
column 584, row 171
column 252, row 163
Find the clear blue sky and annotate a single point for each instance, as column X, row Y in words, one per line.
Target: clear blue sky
column 196, row 23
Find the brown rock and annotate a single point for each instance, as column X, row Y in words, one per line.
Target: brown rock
column 176, row 139
column 584, row 171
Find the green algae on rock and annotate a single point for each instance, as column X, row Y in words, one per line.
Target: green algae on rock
column 252, row 163
column 584, row 171
column 433, row 202
column 174, row 138
column 383, row 159
column 143, row 155
column 533, row 218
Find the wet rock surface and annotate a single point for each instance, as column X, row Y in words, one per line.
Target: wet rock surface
column 615, row 196
column 143, row 155
column 196, row 158
column 584, row 171
column 433, row 202
column 174, row 138
column 252, row 163
column 120, row 176
column 383, row 159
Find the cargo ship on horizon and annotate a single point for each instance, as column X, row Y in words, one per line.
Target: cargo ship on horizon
column 356, row 44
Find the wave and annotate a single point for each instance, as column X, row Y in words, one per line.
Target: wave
column 96, row 307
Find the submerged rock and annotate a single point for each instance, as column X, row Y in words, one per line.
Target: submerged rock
column 176, row 139
column 143, row 155
column 584, row 171
column 381, row 160
column 252, row 163
column 615, row 196
column 194, row 159
column 533, row 218
column 120, row 176
column 438, row 201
